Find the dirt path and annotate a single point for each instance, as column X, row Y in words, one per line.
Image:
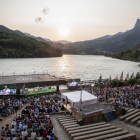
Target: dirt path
column 58, row 129
column 9, row 119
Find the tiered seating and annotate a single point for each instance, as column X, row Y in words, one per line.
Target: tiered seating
column 133, row 116
column 96, row 131
column 110, row 135
column 130, row 136
column 129, row 114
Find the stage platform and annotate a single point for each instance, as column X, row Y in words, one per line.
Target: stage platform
column 93, row 113
column 31, row 80
column 88, row 109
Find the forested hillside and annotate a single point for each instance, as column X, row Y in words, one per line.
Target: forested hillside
column 130, row 54
column 15, row 46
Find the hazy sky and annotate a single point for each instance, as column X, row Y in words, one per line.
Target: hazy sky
column 73, row 20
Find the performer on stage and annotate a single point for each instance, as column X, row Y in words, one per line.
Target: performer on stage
column 6, row 91
column 73, row 83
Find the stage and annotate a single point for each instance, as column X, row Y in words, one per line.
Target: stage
column 31, row 80
column 93, row 112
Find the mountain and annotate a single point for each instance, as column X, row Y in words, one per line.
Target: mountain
column 62, row 41
column 19, row 33
column 16, row 46
column 130, row 54
column 137, row 23
column 4, row 29
column 38, row 38
column 109, row 43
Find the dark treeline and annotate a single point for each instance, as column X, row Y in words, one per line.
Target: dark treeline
column 15, row 46
column 130, row 54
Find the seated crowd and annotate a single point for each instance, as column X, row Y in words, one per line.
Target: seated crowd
column 34, row 121
column 8, row 105
column 127, row 96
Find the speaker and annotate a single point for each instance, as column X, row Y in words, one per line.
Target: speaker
column 18, row 91
column 57, row 88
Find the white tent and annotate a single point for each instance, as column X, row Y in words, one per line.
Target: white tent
column 74, row 98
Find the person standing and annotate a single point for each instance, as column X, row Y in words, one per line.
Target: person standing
column 2, row 132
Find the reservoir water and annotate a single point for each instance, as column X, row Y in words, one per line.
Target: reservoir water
column 86, row 67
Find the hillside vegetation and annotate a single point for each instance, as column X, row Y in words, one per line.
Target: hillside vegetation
column 130, row 54
column 15, row 46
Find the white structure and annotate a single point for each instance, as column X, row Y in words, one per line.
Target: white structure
column 74, row 98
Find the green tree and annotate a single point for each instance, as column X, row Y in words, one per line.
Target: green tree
column 138, row 75
column 110, row 79
column 132, row 76
column 127, row 76
column 121, row 78
column 100, row 78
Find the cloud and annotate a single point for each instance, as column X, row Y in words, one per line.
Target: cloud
column 39, row 19
column 45, row 11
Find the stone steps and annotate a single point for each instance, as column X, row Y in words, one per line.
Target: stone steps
column 96, row 131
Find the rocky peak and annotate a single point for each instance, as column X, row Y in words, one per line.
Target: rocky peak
column 137, row 23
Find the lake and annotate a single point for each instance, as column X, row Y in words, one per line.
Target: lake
column 86, row 67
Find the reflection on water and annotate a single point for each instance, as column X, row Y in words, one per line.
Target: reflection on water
column 74, row 66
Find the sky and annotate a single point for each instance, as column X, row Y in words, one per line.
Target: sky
column 72, row 20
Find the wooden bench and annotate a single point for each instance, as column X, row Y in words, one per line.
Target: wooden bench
column 129, row 114
column 85, row 126
column 128, row 111
column 67, row 124
column 88, row 129
column 92, row 131
column 70, row 126
column 66, row 119
column 109, row 135
column 130, row 136
column 74, row 121
column 131, row 117
column 97, row 134
column 135, row 119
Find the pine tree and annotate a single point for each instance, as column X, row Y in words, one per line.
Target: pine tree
column 127, row 76
column 121, row 78
column 110, row 79
column 132, row 76
column 100, row 78
column 138, row 75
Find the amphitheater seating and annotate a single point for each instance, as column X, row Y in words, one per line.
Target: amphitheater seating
column 135, row 119
column 129, row 114
column 109, row 135
column 97, row 134
column 88, row 129
column 68, row 121
column 85, row 126
column 92, row 131
column 70, row 126
column 130, row 110
column 96, row 131
column 132, row 116
column 130, row 136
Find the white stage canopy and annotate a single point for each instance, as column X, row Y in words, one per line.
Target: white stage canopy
column 74, row 98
